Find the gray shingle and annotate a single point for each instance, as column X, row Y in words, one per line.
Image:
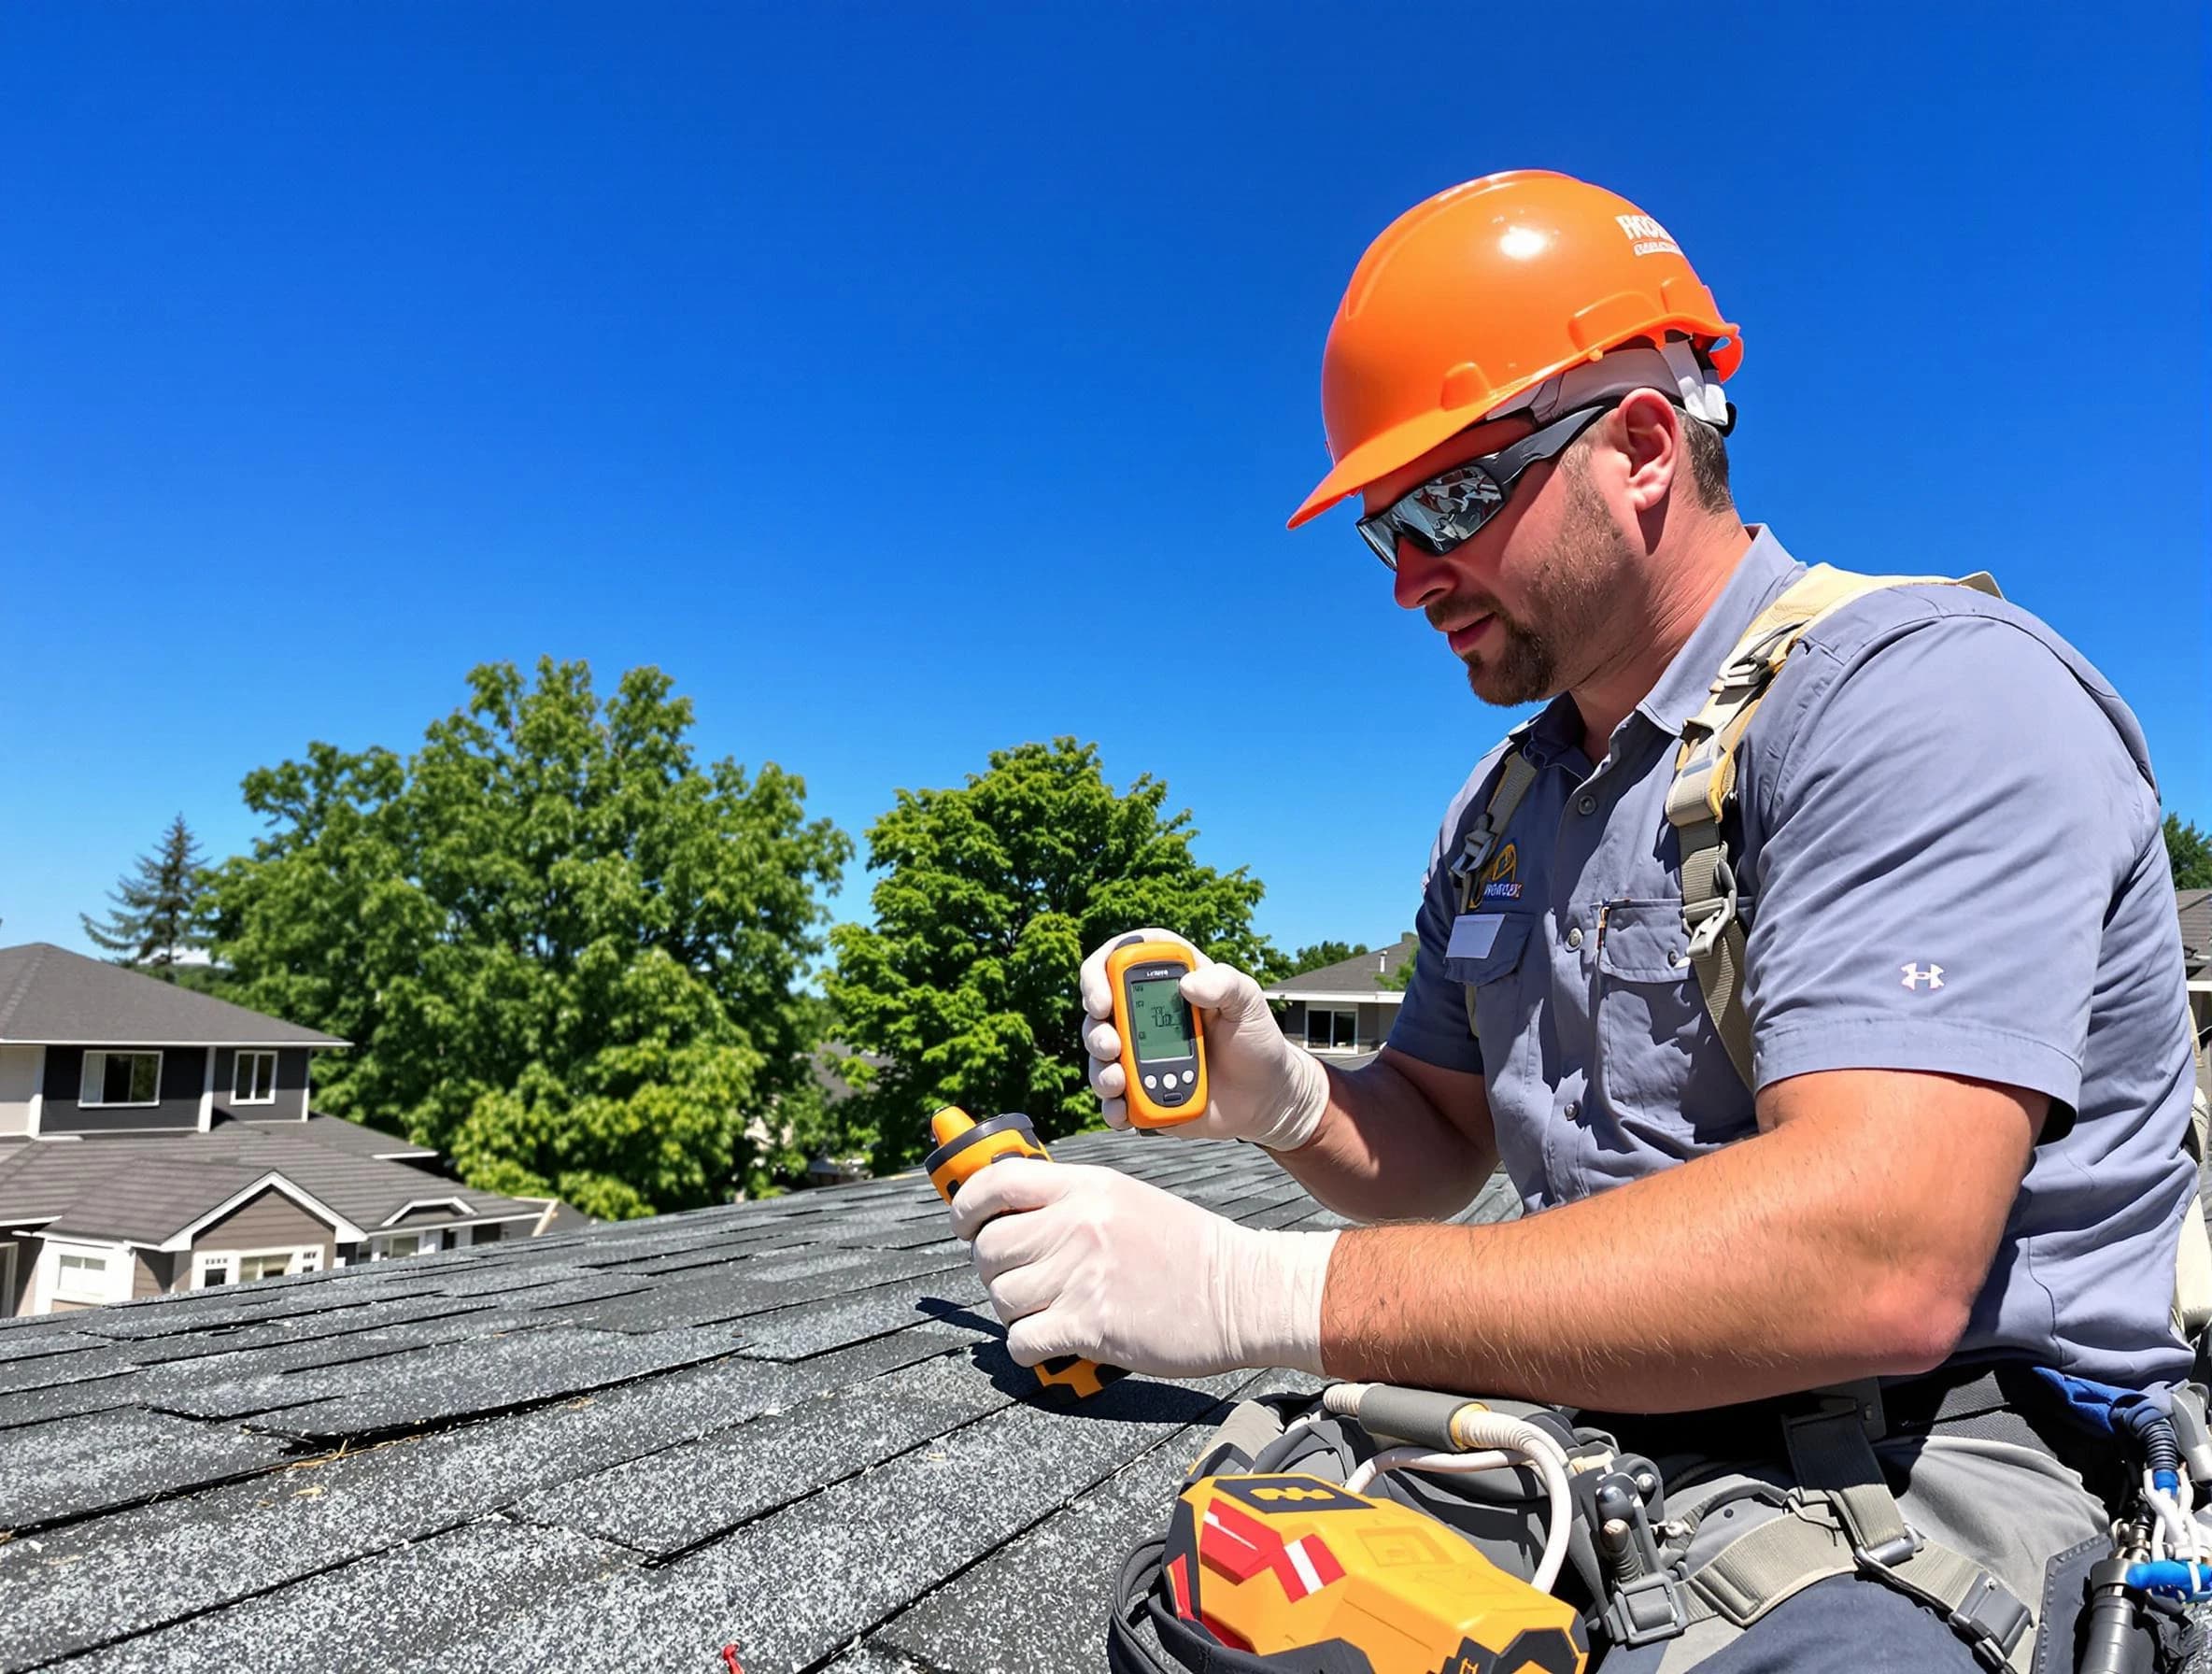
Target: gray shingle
column 438, row 1384
column 670, row 1501
column 95, row 1581
column 50, row 994
column 789, row 1589
column 74, row 1466
column 392, row 1610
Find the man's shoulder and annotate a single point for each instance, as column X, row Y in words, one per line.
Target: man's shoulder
column 1955, row 622
column 1934, row 668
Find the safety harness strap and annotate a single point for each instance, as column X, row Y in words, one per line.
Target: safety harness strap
column 1516, row 775
column 1704, row 782
column 1845, row 1521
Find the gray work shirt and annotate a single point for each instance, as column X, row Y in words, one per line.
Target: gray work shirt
column 1950, row 860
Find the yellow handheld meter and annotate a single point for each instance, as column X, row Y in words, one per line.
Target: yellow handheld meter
column 965, row 1147
column 1163, row 1046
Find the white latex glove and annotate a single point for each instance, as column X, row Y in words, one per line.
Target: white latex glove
column 1258, row 1086
column 1088, row 1261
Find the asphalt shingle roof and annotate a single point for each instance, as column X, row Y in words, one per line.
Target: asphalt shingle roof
column 1358, row 974
column 150, row 1189
column 788, row 1426
column 52, row 995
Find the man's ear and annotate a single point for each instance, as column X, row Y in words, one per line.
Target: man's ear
column 1652, row 447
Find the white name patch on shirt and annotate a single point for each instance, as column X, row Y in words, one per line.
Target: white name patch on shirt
column 1473, row 935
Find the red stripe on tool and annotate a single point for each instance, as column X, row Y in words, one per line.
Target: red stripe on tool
column 1322, row 1559
column 730, row 1656
column 1237, row 1545
column 1179, row 1585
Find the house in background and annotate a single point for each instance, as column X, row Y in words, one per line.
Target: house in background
column 153, row 1139
column 1343, row 1010
column 2196, row 907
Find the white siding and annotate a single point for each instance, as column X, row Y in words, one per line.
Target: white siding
column 18, row 1086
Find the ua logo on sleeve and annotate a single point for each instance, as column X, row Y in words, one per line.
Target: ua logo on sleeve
column 1915, row 975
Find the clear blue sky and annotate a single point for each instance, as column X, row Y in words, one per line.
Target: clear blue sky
column 898, row 377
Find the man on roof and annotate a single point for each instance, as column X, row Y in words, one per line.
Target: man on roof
column 1828, row 1018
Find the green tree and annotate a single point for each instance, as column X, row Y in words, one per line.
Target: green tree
column 1318, row 955
column 2190, row 852
column 565, row 951
column 991, row 893
column 159, row 913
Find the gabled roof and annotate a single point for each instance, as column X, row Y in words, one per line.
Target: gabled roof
column 1357, row 978
column 789, row 1428
column 151, row 1190
column 49, row 996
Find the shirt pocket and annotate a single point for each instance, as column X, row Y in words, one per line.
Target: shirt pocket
column 1659, row 1071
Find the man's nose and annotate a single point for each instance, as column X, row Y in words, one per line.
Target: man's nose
column 1421, row 577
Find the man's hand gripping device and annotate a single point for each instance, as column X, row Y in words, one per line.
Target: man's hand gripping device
column 964, row 1145
column 1163, row 1044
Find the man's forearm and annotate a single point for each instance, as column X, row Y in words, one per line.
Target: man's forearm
column 1384, row 1152
column 1787, row 1261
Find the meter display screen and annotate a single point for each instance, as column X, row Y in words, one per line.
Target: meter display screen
column 1162, row 1018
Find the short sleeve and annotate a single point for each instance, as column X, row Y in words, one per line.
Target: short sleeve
column 1948, row 816
column 1432, row 1019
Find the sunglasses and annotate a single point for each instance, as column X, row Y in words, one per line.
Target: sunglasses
column 1448, row 508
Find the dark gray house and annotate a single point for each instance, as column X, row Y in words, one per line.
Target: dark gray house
column 155, row 1140
column 1343, row 1010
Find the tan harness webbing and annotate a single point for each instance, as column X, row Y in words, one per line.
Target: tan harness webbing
column 1705, row 781
column 1844, row 1521
column 1513, row 780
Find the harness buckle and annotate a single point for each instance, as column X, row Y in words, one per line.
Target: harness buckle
column 1705, row 920
column 1891, row 1553
column 1475, row 849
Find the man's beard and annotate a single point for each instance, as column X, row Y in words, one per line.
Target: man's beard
column 1519, row 662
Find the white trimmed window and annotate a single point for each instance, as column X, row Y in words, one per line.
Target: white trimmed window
column 403, row 1244
column 253, row 1079
column 211, row 1268
column 80, row 1277
column 1332, row 1028
column 120, row 1079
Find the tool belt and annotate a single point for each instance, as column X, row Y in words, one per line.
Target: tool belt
column 1992, row 1401
column 1835, row 1516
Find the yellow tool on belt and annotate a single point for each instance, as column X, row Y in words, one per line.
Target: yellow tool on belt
column 964, row 1146
column 1269, row 1564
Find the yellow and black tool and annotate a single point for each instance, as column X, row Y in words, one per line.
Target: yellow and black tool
column 964, row 1146
column 1272, row 1564
column 1163, row 1044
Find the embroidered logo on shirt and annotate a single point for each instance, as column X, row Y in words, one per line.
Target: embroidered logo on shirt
column 1504, row 867
column 1501, row 892
column 1915, row 976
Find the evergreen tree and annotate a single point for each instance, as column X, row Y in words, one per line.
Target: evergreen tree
column 2189, row 851
column 160, row 912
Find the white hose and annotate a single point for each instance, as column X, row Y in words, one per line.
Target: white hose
column 1501, row 1437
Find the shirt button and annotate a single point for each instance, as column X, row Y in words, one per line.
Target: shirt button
column 1574, row 1110
column 1574, row 937
column 1586, row 804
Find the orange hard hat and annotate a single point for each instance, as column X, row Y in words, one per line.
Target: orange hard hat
column 1481, row 294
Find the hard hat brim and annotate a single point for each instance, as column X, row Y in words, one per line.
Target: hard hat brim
column 1402, row 444
column 1378, row 457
